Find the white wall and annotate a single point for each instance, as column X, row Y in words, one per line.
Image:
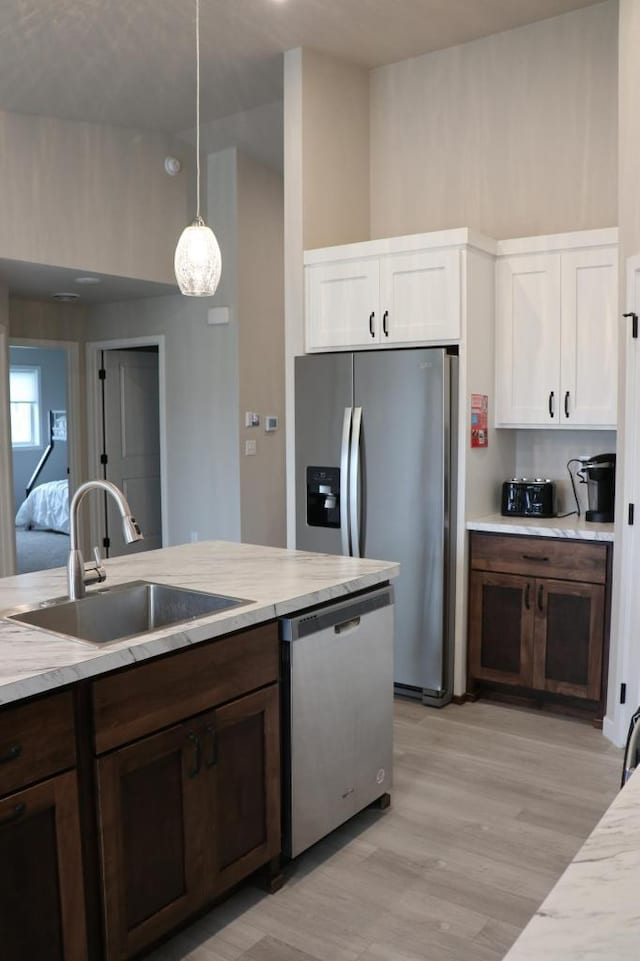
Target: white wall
column 91, row 197
column 261, row 350
column 513, row 134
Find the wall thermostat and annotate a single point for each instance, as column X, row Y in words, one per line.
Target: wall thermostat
column 270, row 422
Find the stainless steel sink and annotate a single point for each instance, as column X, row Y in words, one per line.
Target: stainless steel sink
column 122, row 611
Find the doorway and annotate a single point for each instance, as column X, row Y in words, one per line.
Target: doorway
column 127, row 443
column 43, row 396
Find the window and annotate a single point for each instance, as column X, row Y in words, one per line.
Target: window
column 24, row 393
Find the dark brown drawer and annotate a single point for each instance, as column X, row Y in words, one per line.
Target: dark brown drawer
column 540, row 557
column 151, row 696
column 36, row 740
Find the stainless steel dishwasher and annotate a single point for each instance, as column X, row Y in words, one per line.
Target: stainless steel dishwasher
column 337, row 714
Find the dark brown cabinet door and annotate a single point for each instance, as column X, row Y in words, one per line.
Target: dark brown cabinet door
column 41, row 886
column 247, row 786
column 569, row 632
column 154, row 827
column 501, row 619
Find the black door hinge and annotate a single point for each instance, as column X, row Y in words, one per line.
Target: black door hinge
column 632, row 511
column 623, row 693
column 104, row 459
column 106, row 543
column 634, row 323
column 102, row 374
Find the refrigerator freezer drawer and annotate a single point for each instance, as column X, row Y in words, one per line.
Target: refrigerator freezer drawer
column 338, row 715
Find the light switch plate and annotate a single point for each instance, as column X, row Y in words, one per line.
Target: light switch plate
column 217, row 315
column 250, row 448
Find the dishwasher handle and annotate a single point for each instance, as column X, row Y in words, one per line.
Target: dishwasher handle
column 341, row 614
column 349, row 625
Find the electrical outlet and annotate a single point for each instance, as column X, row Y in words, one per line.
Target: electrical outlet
column 250, row 447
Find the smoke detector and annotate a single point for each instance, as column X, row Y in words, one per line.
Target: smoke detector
column 66, row 297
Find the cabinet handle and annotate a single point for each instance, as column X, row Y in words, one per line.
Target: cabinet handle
column 213, row 757
column 195, row 770
column 540, row 594
column 14, row 752
column 371, row 316
column 385, row 325
column 532, row 557
column 551, row 405
column 566, row 404
column 527, row 596
column 15, row 815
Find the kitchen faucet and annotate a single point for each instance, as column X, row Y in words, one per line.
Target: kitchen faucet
column 77, row 575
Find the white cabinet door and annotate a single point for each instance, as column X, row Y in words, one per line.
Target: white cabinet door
column 589, row 352
column 528, row 340
column 342, row 304
column 420, row 296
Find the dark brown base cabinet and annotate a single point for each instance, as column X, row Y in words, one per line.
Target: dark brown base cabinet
column 188, row 812
column 538, row 615
column 41, row 883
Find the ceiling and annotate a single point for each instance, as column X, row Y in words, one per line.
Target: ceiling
column 40, row 282
column 131, row 62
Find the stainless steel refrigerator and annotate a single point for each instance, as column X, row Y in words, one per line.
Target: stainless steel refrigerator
column 375, row 466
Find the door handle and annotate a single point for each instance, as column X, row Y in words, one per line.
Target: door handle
column 540, row 596
column 385, row 323
column 566, row 404
column 197, row 759
column 551, row 403
column 212, row 760
column 354, row 482
column 371, row 330
column 344, row 481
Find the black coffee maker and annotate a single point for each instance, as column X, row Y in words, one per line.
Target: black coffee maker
column 599, row 474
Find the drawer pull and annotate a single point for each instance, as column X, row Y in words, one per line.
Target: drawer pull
column 533, row 557
column 195, row 770
column 15, row 815
column 14, row 752
column 213, row 757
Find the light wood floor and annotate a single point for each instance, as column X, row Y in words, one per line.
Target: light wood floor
column 489, row 805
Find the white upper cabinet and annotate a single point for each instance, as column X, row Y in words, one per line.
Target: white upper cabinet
column 528, row 339
column 589, row 353
column 342, row 304
column 420, row 296
column 384, row 293
column 556, row 333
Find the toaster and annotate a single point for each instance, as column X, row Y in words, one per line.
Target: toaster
column 524, row 497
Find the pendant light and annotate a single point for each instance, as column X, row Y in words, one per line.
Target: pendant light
column 197, row 262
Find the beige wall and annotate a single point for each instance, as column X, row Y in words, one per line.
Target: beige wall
column 260, row 314
column 7, row 538
column 513, row 134
column 335, row 150
column 629, row 113
column 90, row 197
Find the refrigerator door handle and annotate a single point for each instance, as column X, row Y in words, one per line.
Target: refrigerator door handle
column 344, row 481
column 354, row 482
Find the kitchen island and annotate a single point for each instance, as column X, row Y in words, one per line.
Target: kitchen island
column 274, row 581
column 172, row 736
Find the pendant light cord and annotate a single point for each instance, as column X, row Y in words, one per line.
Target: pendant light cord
column 198, row 110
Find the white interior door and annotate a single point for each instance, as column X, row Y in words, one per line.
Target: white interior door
column 132, row 444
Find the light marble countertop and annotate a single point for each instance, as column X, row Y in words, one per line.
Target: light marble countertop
column 276, row 581
column 592, row 913
column 570, row 527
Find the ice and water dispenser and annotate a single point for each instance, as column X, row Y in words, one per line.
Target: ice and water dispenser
column 323, row 496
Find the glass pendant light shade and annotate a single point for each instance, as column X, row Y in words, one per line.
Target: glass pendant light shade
column 197, row 262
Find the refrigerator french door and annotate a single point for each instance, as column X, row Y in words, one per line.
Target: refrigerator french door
column 374, row 449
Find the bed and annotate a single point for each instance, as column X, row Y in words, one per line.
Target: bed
column 42, row 528
column 46, row 508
